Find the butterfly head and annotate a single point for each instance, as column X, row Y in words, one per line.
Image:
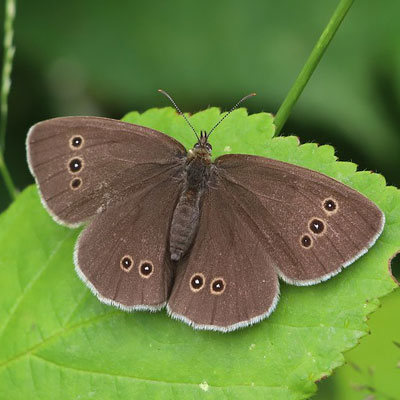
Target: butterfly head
column 202, row 144
column 201, row 149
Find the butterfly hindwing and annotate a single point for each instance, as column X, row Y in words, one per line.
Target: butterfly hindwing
column 227, row 279
column 122, row 254
column 84, row 164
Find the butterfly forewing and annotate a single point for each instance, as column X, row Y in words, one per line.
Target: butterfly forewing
column 312, row 225
column 84, row 164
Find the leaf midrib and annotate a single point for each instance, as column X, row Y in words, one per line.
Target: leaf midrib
column 148, row 380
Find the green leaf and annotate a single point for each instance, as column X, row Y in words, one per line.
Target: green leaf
column 373, row 367
column 58, row 341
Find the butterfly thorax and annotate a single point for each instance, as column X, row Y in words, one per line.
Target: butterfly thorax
column 186, row 216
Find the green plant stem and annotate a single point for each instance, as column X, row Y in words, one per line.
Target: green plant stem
column 7, row 179
column 310, row 65
column 8, row 56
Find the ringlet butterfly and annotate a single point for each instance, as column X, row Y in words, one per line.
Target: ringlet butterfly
column 207, row 239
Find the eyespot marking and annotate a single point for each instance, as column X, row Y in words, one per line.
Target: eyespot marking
column 197, row 282
column 76, row 183
column 317, row 226
column 126, row 263
column 330, row 205
column 75, row 165
column 306, row 241
column 218, row 286
column 76, row 142
column 146, row 269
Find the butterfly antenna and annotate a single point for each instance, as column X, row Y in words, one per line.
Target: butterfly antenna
column 179, row 111
column 233, row 108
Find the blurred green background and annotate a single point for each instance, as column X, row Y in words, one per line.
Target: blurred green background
column 107, row 58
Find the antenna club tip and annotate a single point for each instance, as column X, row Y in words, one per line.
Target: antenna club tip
column 253, row 94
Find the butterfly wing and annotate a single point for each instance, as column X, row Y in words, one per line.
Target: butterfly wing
column 313, row 225
column 257, row 214
column 227, row 279
column 84, row 164
column 122, row 254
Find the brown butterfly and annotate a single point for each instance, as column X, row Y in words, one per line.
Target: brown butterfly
column 207, row 239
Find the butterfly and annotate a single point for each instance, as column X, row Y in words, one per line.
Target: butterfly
column 207, row 239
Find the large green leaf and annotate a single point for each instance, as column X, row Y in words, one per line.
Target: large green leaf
column 58, row 341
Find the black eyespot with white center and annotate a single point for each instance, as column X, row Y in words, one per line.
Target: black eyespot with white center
column 126, row 263
column 306, row 241
column 317, row 226
column 76, row 183
column 76, row 142
column 330, row 205
column 218, row 286
column 75, row 165
column 146, row 269
column 197, row 282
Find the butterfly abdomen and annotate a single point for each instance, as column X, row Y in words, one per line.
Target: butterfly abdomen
column 186, row 216
column 184, row 224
